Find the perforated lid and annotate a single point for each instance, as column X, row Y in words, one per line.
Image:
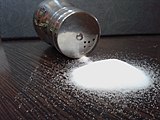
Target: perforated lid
column 78, row 34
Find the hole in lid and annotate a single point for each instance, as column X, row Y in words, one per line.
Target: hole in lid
column 84, row 41
column 93, row 39
column 84, row 46
column 79, row 36
column 88, row 41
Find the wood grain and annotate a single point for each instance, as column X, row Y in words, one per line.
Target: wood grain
column 34, row 83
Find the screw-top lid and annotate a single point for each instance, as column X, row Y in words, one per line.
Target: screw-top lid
column 78, row 34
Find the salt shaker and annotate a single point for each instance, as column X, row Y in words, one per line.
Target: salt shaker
column 73, row 32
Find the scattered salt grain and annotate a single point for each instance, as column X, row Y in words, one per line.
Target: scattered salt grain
column 110, row 74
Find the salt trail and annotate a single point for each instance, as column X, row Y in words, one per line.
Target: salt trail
column 110, row 74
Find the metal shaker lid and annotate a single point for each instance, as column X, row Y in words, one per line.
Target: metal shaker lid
column 78, row 34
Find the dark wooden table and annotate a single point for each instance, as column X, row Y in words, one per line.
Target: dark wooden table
column 34, row 83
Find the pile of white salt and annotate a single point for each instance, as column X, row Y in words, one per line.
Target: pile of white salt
column 110, row 74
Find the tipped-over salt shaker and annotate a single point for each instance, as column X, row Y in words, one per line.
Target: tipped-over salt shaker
column 73, row 32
